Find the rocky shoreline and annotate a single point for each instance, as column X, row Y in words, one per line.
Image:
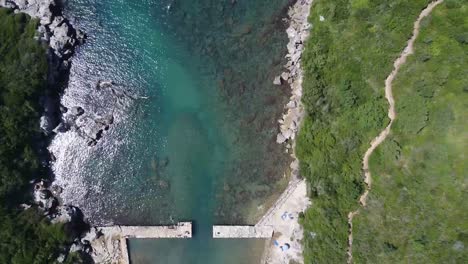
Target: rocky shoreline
column 62, row 39
column 289, row 124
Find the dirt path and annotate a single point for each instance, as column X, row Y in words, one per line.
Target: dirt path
column 391, row 114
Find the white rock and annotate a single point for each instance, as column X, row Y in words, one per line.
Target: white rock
column 59, row 38
column 277, row 80
column 280, row 138
column 291, row 104
column 294, row 165
column 296, row 56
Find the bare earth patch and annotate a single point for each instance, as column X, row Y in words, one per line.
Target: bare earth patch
column 283, row 217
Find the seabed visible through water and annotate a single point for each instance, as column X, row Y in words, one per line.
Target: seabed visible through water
column 202, row 147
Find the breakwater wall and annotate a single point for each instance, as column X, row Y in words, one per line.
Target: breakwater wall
column 109, row 244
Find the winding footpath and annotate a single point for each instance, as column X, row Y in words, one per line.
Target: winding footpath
column 408, row 50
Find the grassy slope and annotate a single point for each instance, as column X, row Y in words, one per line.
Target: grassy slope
column 346, row 61
column 25, row 236
column 417, row 210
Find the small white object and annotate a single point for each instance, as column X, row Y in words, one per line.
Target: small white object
column 322, row 18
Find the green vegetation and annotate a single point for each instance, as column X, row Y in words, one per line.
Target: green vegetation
column 28, row 238
column 25, row 236
column 23, row 69
column 417, row 210
column 346, row 61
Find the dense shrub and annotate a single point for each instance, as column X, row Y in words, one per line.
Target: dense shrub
column 25, row 236
column 346, row 61
column 23, row 69
column 417, row 210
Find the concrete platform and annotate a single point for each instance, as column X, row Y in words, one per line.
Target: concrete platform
column 181, row 230
column 220, row 231
column 111, row 245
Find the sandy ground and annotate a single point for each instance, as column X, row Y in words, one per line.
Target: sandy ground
column 283, row 217
column 408, row 50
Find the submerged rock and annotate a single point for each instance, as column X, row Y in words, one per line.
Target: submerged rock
column 63, row 109
column 104, row 84
column 277, row 80
column 76, row 111
column 46, row 124
column 65, row 214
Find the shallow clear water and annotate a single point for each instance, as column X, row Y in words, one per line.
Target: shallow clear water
column 172, row 251
column 196, row 139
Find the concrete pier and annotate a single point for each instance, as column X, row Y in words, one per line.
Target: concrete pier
column 109, row 243
column 181, row 230
column 242, row 231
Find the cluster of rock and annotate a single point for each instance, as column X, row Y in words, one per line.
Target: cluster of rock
column 298, row 32
column 88, row 125
column 107, row 248
column 54, row 29
column 46, row 199
column 62, row 39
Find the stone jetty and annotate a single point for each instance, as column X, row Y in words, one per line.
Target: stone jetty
column 109, row 244
column 224, row 231
column 181, row 230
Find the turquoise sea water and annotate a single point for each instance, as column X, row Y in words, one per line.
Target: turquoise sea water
column 199, row 250
column 201, row 146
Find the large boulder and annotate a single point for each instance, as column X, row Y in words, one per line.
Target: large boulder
column 54, row 28
column 65, row 214
column 60, row 39
column 76, row 111
column 36, row 8
column 46, row 124
column 7, row 4
column 280, row 138
column 277, row 80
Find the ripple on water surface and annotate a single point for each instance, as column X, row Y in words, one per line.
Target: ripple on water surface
column 202, row 146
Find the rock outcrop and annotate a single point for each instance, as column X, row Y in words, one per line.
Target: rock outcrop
column 54, row 28
column 298, row 32
column 88, row 125
column 295, row 195
column 45, row 197
column 62, row 38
